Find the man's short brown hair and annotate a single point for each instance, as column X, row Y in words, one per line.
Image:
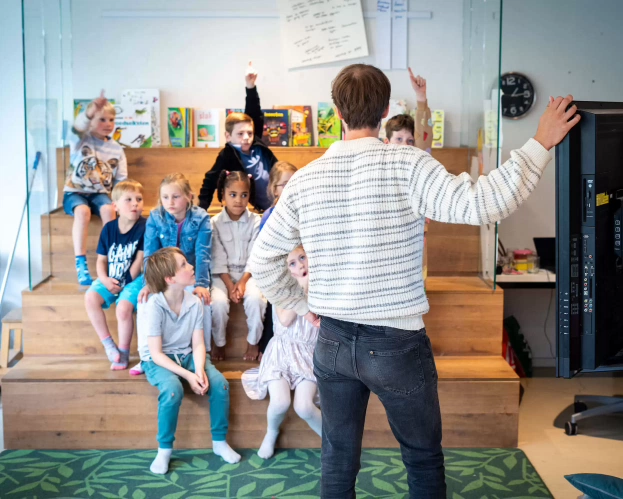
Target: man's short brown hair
column 399, row 122
column 125, row 186
column 361, row 93
column 234, row 118
column 159, row 266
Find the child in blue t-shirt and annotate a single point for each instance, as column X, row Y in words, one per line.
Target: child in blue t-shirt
column 119, row 279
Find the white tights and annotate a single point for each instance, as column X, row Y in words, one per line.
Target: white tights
column 304, row 406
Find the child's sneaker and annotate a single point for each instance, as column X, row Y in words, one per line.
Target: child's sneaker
column 84, row 278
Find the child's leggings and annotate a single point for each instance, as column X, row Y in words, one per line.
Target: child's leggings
column 172, row 392
column 254, row 308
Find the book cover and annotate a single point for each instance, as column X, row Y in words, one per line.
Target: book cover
column 301, row 125
column 396, row 107
column 133, row 126
column 276, row 127
column 437, row 118
column 208, row 127
column 180, row 124
column 80, row 105
column 146, row 97
column 329, row 124
column 228, row 111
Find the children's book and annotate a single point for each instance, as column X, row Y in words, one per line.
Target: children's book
column 437, row 118
column 208, row 127
column 329, row 124
column 276, row 127
column 80, row 105
column 228, row 111
column 301, row 125
column 180, row 123
column 133, row 127
column 142, row 97
column 396, row 107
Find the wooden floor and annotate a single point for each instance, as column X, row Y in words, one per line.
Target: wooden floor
column 77, row 403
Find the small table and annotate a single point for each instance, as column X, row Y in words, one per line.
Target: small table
column 544, row 279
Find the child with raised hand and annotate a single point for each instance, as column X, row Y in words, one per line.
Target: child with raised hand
column 402, row 129
column 96, row 163
column 119, row 279
column 235, row 230
column 287, row 365
column 244, row 150
column 176, row 222
column 172, row 349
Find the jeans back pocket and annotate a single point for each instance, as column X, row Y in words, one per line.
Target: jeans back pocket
column 399, row 371
column 325, row 356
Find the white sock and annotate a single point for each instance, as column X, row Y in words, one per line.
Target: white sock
column 222, row 448
column 267, row 449
column 160, row 466
column 137, row 370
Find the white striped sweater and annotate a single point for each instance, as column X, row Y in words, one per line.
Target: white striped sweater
column 359, row 212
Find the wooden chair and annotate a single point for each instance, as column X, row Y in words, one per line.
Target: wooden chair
column 11, row 322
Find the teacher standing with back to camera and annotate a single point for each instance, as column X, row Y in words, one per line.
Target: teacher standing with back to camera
column 359, row 211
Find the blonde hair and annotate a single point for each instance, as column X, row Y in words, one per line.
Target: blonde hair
column 276, row 171
column 234, row 118
column 160, row 265
column 125, row 186
column 180, row 181
column 108, row 107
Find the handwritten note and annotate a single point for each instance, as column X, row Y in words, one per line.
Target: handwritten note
column 320, row 31
column 384, row 34
column 399, row 34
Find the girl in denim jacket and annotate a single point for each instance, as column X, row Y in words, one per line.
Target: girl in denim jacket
column 176, row 222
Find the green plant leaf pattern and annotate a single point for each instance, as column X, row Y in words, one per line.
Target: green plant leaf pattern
column 292, row 473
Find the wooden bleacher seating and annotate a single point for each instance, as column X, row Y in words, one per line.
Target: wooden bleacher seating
column 63, row 396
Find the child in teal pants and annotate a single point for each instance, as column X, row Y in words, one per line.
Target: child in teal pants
column 172, row 349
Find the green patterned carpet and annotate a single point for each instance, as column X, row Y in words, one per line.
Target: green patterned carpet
column 195, row 474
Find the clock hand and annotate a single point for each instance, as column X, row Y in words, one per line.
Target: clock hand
column 514, row 92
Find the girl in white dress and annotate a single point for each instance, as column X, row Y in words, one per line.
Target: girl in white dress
column 287, row 365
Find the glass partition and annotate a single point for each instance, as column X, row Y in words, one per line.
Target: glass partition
column 46, row 35
column 480, row 127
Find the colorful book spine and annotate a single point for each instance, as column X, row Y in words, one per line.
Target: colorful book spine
column 437, row 118
column 180, row 123
column 329, row 124
column 301, row 125
column 208, row 127
column 276, row 131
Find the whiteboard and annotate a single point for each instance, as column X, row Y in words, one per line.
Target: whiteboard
column 320, row 31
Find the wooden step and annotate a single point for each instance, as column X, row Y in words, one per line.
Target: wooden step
column 78, row 403
column 465, row 319
column 452, row 249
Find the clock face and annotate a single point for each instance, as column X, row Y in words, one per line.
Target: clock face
column 518, row 95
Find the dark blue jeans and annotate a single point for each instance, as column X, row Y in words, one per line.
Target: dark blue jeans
column 350, row 361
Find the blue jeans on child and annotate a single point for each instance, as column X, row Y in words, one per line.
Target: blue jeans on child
column 172, row 392
column 93, row 201
column 129, row 292
column 350, row 361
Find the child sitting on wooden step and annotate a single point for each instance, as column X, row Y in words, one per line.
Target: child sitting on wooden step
column 172, row 349
column 119, row 279
column 287, row 365
column 234, row 231
column 176, row 222
column 97, row 162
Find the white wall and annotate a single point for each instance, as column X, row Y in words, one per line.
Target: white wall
column 565, row 47
column 200, row 62
column 12, row 145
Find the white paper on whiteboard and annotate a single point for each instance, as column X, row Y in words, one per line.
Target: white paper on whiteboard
column 399, row 34
column 319, row 31
column 384, row 34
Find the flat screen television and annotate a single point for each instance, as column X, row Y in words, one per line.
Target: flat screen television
column 589, row 242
